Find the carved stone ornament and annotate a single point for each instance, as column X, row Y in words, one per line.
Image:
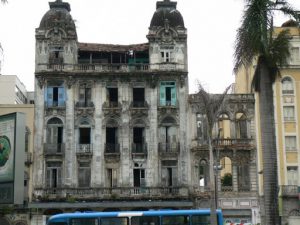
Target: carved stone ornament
column 84, row 112
column 70, row 81
column 55, row 112
column 182, row 81
column 41, row 81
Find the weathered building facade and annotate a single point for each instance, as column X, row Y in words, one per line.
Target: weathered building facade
column 116, row 128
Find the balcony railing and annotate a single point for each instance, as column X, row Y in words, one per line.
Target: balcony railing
column 55, row 104
column 173, row 147
column 110, row 104
column 102, row 67
column 88, row 104
column 139, row 104
column 48, row 194
column 112, row 148
column 139, row 148
column 232, row 141
column 289, row 190
column 54, row 149
column 84, row 148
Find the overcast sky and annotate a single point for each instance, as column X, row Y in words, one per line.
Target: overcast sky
column 211, row 26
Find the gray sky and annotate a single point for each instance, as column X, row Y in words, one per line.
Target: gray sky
column 211, row 28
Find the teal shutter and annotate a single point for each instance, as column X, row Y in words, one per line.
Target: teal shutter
column 173, row 95
column 49, row 99
column 162, row 94
column 61, row 96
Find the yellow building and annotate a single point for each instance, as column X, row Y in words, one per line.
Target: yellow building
column 286, row 91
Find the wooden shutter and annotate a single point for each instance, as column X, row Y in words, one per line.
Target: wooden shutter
column 49, row 99
column 173, row 95
column 162, row 95
column 61, row 96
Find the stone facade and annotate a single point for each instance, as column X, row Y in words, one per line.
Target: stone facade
column 116, row 128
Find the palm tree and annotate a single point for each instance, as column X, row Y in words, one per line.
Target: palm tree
column 256, row 41
column 211, row 105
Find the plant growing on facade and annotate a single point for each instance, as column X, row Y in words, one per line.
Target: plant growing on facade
column 211, row 107
column 256, row 42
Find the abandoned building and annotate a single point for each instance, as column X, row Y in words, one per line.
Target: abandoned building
column 116, row 128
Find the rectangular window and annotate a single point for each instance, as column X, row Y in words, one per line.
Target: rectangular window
column 114, row 221
column 290, row 143
column 112, row 177
column 53, row 175
column 138, row 97
column 112, row 97
column 167, row 93
column 84, row 174
column 55, row 96
column 166, row 56
column 84, row 221
column 292, row 175
column 139, row 177
column 85, row 96
column 295, row 54
column 289, row 113
column 175, row 220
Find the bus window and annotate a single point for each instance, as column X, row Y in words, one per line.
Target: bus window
column 84, row 221
column 175, row 220
column 114, row 221
column 200, row 220
column 58, row 223
column 145, row 220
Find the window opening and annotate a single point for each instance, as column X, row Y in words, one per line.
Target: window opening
column 111, row 139
column 138, row 139
column 138, row 97
column 113, row 97
column 139, row 177
column 85, row 135
column 84, row 174
column 287, row 86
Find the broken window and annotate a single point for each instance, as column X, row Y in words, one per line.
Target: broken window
column 53, row 175
column 55, row 95
column 289, row 113
column 112, row 97
column 241, row 126
column 139, row 178
column 85, row 96
column 226, row 174
column 167, row 93
column 292, row 175
column 169, row 173
column 201, row 128
column 54, row 135
column 56, row 55
column 203, row 173
column 84, row 174
column 112, row 177
column 138, row 97
column 224, row 130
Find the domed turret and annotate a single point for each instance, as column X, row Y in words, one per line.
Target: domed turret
column 166, row 11
column 58, row 16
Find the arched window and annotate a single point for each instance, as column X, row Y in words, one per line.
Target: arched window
column 287, row 86
column 54, row 135
column 226, row 174
column 241, row 125
column 223, row 126
column 203, row 173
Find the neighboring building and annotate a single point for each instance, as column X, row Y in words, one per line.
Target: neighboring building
column 21, row 211
column 117, row 130
column 287, row 116
column 13, row 91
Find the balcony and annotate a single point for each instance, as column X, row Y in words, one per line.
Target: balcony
column 106, row 193
column 88, row 104
column 169, row 149
column 139, row 108
column 139, row 150
column 112, row 152
column 289, row 190
column 234, row 143
column 84, row 108
column 106, row 67
column 55, row 104
column 84, row 151
column 54, row 149
column 110, row 108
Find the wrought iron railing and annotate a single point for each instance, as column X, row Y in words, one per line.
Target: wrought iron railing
column 50, row 149
column 112, row 148
column 84, row 148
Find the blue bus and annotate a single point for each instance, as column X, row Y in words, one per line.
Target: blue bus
column 152, row 217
